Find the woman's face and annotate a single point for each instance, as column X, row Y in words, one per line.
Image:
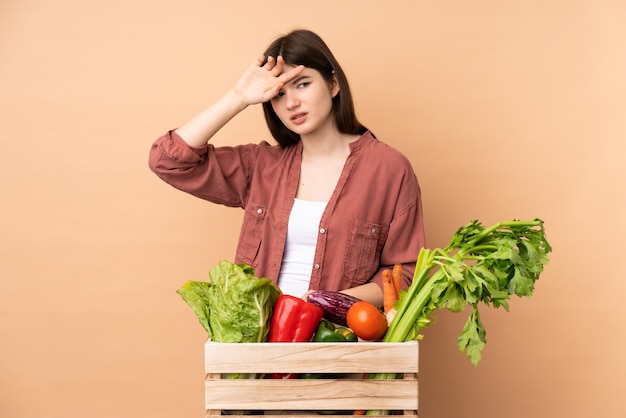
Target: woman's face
column 304, row 105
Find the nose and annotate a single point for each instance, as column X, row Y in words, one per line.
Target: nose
column 291, row 101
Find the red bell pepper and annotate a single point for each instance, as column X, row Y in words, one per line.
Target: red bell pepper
column 293, row 320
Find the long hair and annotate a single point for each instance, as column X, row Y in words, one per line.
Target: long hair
column 303, row 47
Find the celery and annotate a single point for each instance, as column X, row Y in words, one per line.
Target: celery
column 479, row 264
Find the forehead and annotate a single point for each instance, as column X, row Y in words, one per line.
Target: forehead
column 310, row 72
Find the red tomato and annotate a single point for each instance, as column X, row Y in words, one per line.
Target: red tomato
column 366, row 321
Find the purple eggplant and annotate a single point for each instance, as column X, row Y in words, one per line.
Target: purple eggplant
column 334, row 304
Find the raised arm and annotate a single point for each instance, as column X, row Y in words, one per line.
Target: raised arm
column 258, row 84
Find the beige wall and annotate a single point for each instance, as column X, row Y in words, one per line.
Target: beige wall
column 507, row 109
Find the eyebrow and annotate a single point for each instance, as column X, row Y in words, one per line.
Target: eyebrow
column 299, row 78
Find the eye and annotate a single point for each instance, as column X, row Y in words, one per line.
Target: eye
column 303, row 84
column 279, row 95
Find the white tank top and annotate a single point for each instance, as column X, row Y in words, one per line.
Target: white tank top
column 295, row 271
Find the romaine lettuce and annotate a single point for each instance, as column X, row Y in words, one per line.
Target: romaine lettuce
column 235, row 305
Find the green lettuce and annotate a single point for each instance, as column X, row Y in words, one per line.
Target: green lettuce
column 234, row 306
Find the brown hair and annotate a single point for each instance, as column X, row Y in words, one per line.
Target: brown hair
column 303, row 47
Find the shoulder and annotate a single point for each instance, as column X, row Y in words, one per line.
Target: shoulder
column 274, row 151
column 261, row 149
column 260, row 156
column 379, row 153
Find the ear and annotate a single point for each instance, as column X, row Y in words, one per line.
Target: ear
column 334, row 85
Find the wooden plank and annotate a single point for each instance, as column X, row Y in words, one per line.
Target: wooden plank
column 311, row 394
column 305, row 397
column 299, row 414
column 361, row 357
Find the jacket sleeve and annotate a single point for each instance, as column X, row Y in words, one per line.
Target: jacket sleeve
column 220, row 175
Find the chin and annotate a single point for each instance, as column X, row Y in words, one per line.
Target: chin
column 300, row 131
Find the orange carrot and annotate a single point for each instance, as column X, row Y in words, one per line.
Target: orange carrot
column 359, row 412
column 389, row 291
column 397, row 278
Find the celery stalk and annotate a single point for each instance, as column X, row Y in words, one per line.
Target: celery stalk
column 479, row 264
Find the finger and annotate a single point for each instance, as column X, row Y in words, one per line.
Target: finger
column 291, row 74
column 273, row 92
column 271, row 62
column 279, row 67
column 260, row 60
column 305, row 297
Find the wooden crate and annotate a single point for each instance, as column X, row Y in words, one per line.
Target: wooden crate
column 345, row 392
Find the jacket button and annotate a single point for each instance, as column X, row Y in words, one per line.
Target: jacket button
column 259, row 211
column 317, row 266
column 322, row 230
column 373, row 230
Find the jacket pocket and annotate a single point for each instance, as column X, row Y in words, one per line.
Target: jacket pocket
column 363, row 249
column 251, row 234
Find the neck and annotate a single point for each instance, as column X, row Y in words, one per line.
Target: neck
column 329, row 143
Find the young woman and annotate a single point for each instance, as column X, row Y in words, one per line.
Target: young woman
column 330, row 206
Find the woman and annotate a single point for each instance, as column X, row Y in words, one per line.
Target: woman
column 330, row 206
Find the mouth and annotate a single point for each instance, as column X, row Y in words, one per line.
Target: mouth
column 298, row 118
